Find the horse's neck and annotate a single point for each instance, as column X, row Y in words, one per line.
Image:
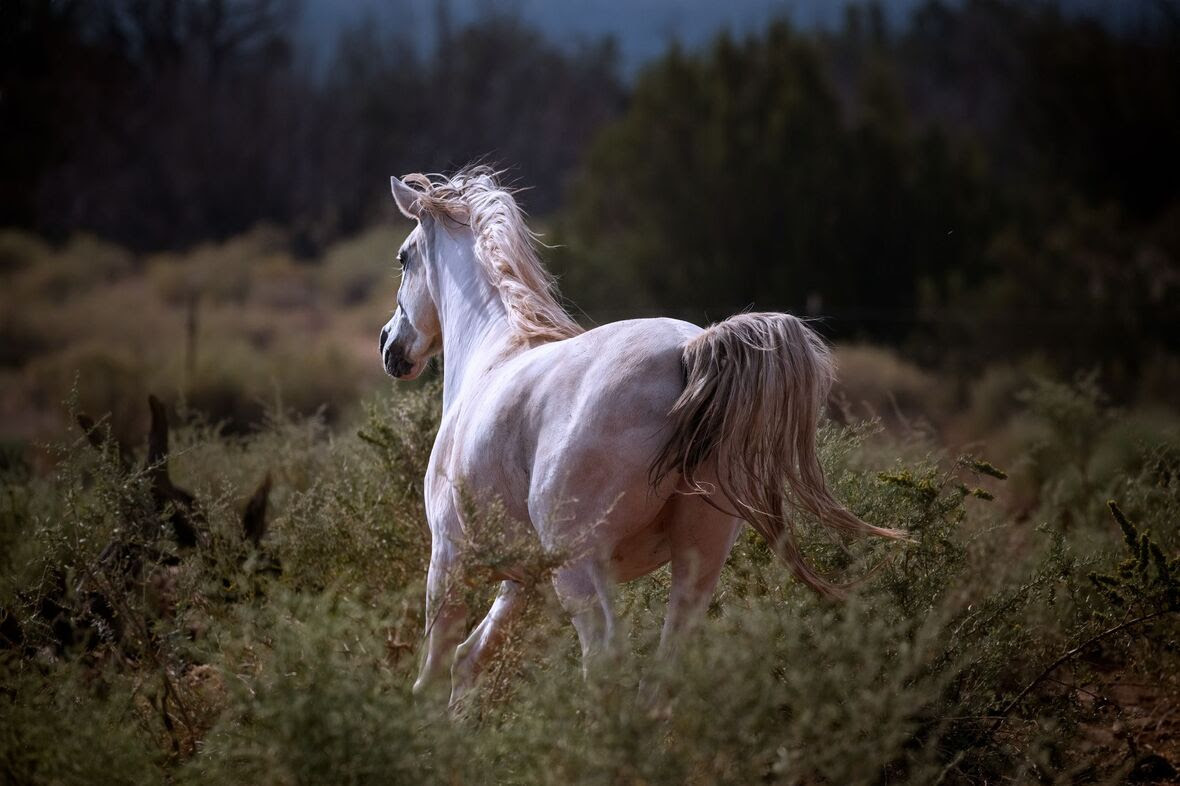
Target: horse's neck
column 475, row 327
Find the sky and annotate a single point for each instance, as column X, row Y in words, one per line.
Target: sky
column 642, row 28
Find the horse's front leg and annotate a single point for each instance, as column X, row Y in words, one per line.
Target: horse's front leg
column 488, row 636
column 582, row 590
column 446, row 615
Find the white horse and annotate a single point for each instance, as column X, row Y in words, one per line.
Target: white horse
column 626, row 447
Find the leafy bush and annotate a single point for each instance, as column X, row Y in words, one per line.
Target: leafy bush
column 971, row 654
column 1079, row 450
column 62, row 725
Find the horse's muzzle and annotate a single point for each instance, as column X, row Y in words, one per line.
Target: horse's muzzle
column 395, row 361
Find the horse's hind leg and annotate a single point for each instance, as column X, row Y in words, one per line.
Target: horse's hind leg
column 474, row 653
column 700, row 539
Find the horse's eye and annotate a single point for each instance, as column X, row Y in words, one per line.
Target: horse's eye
column 401, row 259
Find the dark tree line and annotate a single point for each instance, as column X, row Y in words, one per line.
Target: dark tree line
column 159, row 123
column 995, row 176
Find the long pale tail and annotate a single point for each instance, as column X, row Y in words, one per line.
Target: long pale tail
column 751, row 406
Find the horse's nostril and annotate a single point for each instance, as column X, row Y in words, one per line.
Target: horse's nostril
column 381, row 341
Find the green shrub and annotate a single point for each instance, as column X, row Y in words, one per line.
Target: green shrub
column 312, row 700
column 62, row 725
column 1079, row 449
column 965, row 656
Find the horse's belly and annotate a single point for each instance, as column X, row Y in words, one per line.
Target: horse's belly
column 640, row 553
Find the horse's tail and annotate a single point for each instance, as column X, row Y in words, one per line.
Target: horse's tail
column 755, row 387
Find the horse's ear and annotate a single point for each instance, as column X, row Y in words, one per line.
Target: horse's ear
column 406, row 198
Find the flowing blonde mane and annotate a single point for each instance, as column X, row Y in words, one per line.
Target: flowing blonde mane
column 504, row 245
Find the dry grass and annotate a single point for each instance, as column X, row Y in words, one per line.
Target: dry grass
column 224, row 327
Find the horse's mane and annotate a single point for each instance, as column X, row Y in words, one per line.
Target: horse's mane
column 504, row 246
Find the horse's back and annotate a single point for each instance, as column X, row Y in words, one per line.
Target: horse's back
column 612, row 380
column 639, row 358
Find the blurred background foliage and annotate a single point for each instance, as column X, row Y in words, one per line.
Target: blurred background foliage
column 987, row 181
column 195, row 201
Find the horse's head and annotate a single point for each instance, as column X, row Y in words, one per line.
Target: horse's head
column 413, row 334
